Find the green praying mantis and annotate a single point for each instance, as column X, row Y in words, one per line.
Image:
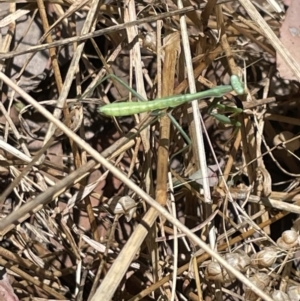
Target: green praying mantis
column 118, row 109
column 130, row 108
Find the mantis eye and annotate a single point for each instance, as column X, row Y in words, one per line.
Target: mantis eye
column 237, row 84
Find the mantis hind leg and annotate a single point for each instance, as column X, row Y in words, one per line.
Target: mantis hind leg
column 183, row 133
column 179, row 128
column 113, row 77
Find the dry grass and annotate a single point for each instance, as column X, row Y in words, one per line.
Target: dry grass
column 87, row 208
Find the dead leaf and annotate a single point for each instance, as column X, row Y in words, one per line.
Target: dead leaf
column 290, row 37
column 6, row 290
